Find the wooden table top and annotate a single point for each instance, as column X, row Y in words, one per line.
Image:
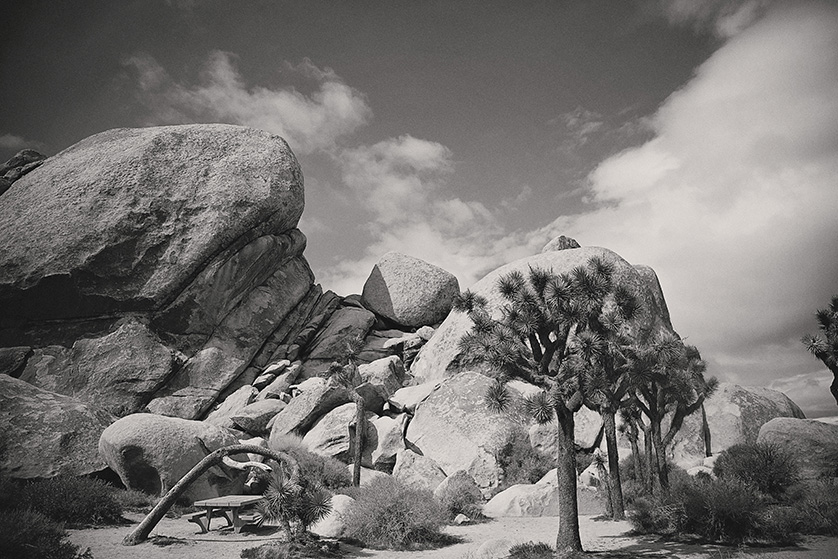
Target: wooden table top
column 229, row 501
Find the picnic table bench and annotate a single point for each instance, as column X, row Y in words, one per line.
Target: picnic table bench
column 227, row 507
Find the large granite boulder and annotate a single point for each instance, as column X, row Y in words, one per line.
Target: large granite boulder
column 150, row 453
column 333, row 525
column 524, row 500
column 587, row 428
column 735, row 415
column 409, row 291
column 417, row 471
column 454, row 428
column 119, row 371
column 43, row 434
column 190, row 229
column 330, row 435
column 813, row 443
column 440, row 357
column 329, row 343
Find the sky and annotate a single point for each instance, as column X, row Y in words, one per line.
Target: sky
column 699, row 137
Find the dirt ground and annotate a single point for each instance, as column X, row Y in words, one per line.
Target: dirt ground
column 612, row 539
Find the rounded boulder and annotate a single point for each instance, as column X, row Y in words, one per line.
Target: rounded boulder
column 409, row 291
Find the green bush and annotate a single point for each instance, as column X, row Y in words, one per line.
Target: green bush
column 521, row 463
column 26, row 533
column 133, row 500
column 74, row 500
column 768, row 467
column 531, row 550
column 319, row 470
column 461, row 496
column 390, row 515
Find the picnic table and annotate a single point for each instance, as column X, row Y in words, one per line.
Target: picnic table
column 228, row 507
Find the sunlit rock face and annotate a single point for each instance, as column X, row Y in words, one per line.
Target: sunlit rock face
column 440, row 357
column 813, row 444
column 409, row 291
column 170, row 254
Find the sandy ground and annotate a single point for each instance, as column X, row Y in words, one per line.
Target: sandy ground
column 597, row 536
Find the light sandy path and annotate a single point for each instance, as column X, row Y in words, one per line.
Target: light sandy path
column 106, row 543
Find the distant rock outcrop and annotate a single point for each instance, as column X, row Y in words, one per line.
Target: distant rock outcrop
column 46, row 434
column 735, row 415
column 409, row 291
column 440, row 357
column 23, row 162
column 814, row 444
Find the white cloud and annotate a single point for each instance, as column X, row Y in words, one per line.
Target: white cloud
column 734, row 200
column 401, row 181
column 308, row 122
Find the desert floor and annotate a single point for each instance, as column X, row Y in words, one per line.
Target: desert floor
column 609, row 539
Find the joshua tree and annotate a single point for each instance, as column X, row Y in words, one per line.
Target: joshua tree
column 825, row 347
column 668, row 382
column 601, row 349
column 347, row 375
column 531, row 341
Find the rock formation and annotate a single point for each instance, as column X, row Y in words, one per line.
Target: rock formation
column 46, row 434
column 439, row 358
column 814, row 444
column 409, row 291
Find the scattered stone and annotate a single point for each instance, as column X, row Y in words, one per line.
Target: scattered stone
column 333, row 525
column 233, row 404
column 254, row 417
column 389, row 437
column 282, row 384
column 497, row 548
column 407, row 399
column 418, row 471
column 409, row 291
column 524, row 500
column 13, row 360
column 263, row 380
column 461, row 519
column 302, row 411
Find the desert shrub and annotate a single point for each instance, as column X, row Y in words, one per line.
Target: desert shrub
column 521, row 463
column 818, row 509
column 723, row 510
column 74, row 500
column 531, row 550
column 320, row 470
column 391, row 515
column 30, row 534
column 768, row 467
column 133, row 500
column 461, row 497
column 308, row 547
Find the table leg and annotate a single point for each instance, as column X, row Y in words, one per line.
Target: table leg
column 209, row 517
column 237, row 523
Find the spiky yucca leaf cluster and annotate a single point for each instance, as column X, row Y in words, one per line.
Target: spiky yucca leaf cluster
column 300, row 504
column 825, row 346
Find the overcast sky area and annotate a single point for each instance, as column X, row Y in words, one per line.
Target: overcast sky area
column 699, row 137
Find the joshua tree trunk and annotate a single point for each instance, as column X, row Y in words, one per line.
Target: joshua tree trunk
column 616, row 489
column 142, row 531
column 636, row 459
column 360, row 431
column 567, row 540
column 660, row 455
column 649, row 472
column 705, row 430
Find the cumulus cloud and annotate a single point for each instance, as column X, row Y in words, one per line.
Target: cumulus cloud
column 734, row 199
column 308, row 122
column 402, row 183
